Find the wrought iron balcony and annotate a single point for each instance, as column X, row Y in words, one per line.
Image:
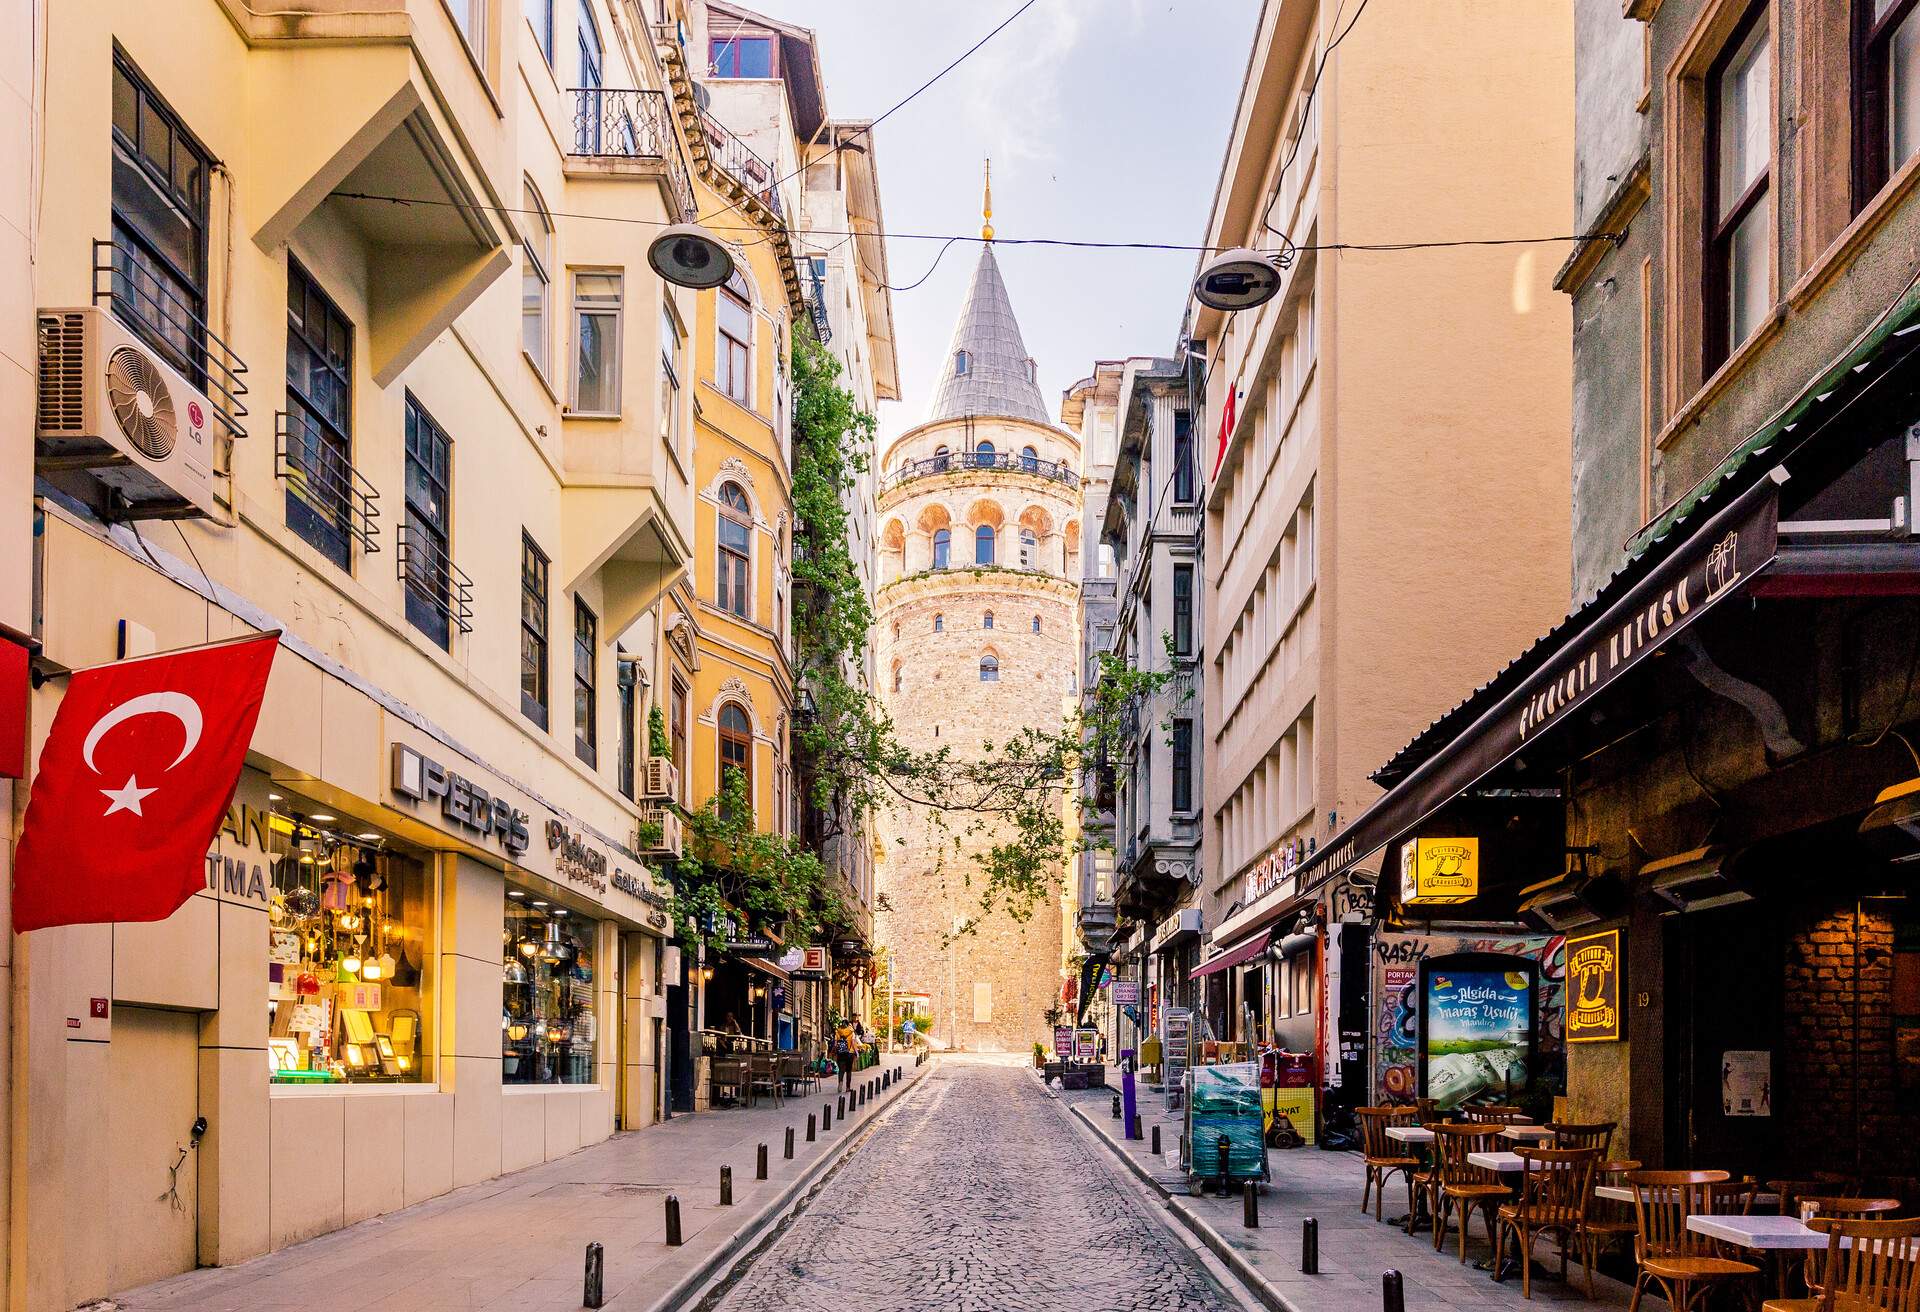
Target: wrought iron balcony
column 636, row 125
column 741, row 162
column 433, row 582
column 337, row 500
column 972, row 460
column 141, row 298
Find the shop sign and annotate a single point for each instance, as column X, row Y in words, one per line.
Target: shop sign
column 462, row 801
column 1275, row 870
column 574, row 860
column 1086, row 1044
column 805, row 961
column 1063, row 1042
column 1126, row 992
column 1593, row 987
column 659, row 908
column 1185, row 921
column 243, row 872
column 751, row 946
column 1439, row 871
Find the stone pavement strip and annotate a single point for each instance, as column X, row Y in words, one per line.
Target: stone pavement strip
column 519, row 1241
column 1354, row 1248
column 979, row 1195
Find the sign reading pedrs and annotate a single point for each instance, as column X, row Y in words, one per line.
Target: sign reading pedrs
column 1593, row 987
column 461, row 800
column 1439, row 871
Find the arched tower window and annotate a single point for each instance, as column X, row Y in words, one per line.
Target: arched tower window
column 983, row 545
column 986, row 621
column 983, row 455
column 942, row 547
column 962, row 364
column 1029, row 549
column 939, row 623
column 1029, row 457
column 989, row 669
column 1036, row 624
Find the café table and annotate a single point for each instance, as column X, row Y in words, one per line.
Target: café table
column 1505, row 1163
column 1526, row 1132
column 1766, row 1235
column 1418, row 1136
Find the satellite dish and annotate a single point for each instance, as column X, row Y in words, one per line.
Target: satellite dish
column 1237, row 280
column 687, row 255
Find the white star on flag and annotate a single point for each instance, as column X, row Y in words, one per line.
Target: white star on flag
column 127, row 796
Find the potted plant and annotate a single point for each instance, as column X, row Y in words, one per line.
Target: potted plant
column 1039, row 1056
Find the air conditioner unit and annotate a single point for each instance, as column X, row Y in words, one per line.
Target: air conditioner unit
column 658, row 833
column 109, row 405
column 662, row 781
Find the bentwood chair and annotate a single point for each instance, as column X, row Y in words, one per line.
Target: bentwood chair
column 1597, row 1136
column 1554, row 1200
column 1833, row 1209
column 730, row 1073
column 1384, row 1156
column 763, row 1072
column 1680, row 1261
column 1607, row 1221
column 1492, row 1115
column 1870, row 1266
column 1462, row 1187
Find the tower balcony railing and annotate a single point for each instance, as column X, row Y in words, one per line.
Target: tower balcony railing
column 967, row 461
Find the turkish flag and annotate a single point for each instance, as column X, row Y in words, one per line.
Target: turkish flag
column 135, row 778
column 1226, row 432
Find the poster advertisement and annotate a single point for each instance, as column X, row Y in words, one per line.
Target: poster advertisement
column 1086, row 1044
column 1478, row 1015
column 1395, row 1001
column 1063, row 1042
column 1746, row 1083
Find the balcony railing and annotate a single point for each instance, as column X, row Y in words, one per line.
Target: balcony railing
column 970, row 460
column 740, row 161
column 323, row 480
column 615, row 124
column 431, row 578
column 816, row 297
column 146, row 302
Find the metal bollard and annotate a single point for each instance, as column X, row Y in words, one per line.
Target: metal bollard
column 1156, row 1141
column 789, row 1143
column 1133, row 1127
column 760, row 1163
column 596, row 1290
column 1116, row 1106
column 826, row 1117
column 1220, row 1146
column 840, row 1106
column 809, row 1127
column 673, row 1221
column 726, row 1186
column 1310, row 1247
column 1393, row 1292
column 1250, row 1205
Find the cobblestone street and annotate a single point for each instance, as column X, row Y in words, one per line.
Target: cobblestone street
column 977, row 1193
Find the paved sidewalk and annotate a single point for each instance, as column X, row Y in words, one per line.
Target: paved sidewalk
column 1354, row 1249
column 520, row 1240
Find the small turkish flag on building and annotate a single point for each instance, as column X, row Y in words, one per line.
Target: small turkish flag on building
column 134, row 780
column 1226, row 430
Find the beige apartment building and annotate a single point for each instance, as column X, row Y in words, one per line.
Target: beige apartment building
column 388, row 261
column 1384, row 443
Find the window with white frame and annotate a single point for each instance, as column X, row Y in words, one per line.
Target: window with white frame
column 733, row 350
column 536, row 282
column 596, row 332
column 669, row 376
column 470, row 16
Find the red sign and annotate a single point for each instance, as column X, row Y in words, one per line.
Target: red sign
column 134, row 781
column 13, row 710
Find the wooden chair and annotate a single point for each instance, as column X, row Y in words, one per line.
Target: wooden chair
column 731, row 1073
column 1868, row 1265
column 763, row 1072
column 1384, row 1156
column 1427, row 1113
column 1607, row 1221
column 1597, row 1136
column 1492, row 1115
column 1809, row 1209
column 1680, row 1261
column 1461, row 1186
column 1558, row 1191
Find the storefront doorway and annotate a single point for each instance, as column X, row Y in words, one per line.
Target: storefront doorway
column 153, row 1100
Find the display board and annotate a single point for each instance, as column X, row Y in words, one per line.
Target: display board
column 1177, row 1034
column 1477, row 1021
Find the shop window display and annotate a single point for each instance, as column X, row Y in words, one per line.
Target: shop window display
column 547, row 1022
column 347, row 944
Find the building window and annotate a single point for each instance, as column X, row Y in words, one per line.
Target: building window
column 1183, row 765
column 669, row 377
column 736, row 747
column 942, row 547
column 1886, row 92
column 626, row 687
column 470, row 16
column 983, row 545
column 1029, row 458
column 677, row 742
column 1029, row 548
column 733, row 554
column 1739, row 216
column 1036, row 624
column 1183, row 611
column 739, row 55
column 596, row 330
column 536, row 282
column 939, row 623
column 591, row 57
column 547, row 1016
column 733, row 352
column 899, row 671
column 428, row 569
column 989, row 669
column 1182, row 458
column 160, row 191
column 319, row 417
column 535, row 573
column 940, row 454
column 586, row 683
column 540, row 18
column 962, row 364
column 986, row 620
column 983, row 455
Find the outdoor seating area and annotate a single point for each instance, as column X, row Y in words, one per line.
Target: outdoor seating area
column 1528, row 1191
column 757, row 1075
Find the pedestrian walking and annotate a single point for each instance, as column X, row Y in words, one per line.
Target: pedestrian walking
column 844, row 1039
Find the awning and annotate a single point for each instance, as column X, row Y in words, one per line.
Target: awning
column 1247, row 951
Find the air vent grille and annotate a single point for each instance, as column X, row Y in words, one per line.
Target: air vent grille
column 63, row 383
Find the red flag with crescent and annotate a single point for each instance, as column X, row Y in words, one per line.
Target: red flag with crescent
column 134, row 780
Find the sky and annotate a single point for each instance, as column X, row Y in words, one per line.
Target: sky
column 1105, row 120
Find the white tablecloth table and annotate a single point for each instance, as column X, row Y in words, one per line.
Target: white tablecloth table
column 1410, row 1133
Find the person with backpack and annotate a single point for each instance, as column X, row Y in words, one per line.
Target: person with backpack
column 843, row 1053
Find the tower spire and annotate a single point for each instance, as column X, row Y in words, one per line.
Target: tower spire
column 986, row 205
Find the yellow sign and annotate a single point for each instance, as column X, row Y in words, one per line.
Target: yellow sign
column 1295, row 1104
column 1439, row 871
column 1593, row 987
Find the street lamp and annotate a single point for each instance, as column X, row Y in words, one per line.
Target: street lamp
column 687, row 255
column 1238, row 279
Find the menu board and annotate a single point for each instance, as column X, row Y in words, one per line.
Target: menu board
column 1177, row 1033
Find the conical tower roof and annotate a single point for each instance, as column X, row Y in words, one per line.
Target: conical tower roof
column 998, row 378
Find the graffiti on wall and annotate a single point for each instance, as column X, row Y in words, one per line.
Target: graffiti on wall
column 1396, row 976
